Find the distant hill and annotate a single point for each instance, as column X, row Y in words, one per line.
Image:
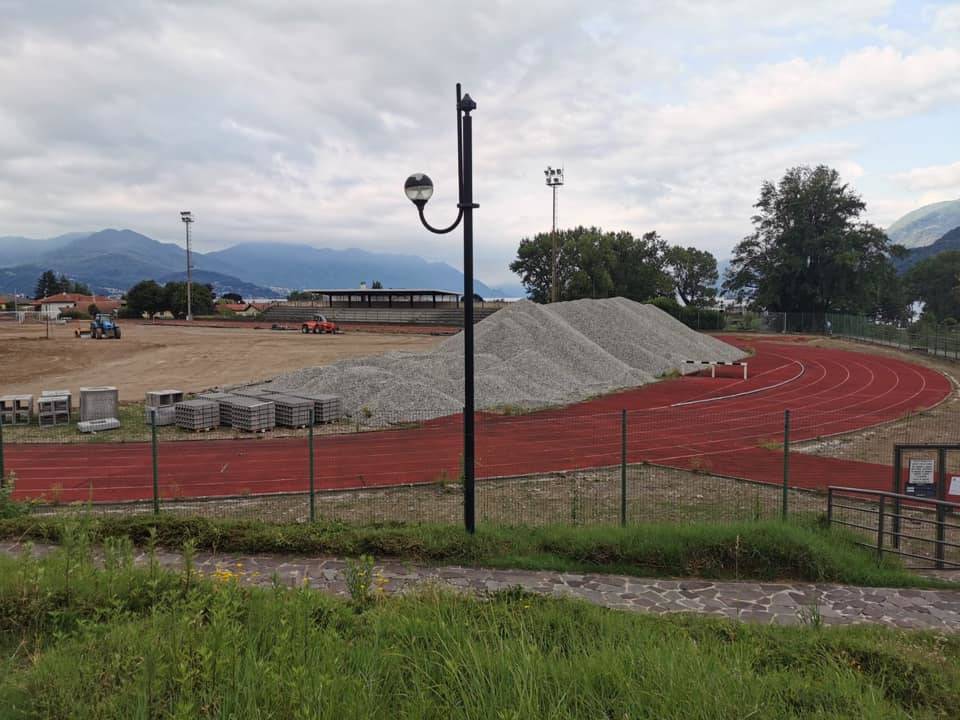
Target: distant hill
column 925, row 225
column 223, row 284
column 26, row 251
column 950, row 241
column 110, row 261
column 302, row 266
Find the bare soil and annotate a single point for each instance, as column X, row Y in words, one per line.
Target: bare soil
column 154, row 357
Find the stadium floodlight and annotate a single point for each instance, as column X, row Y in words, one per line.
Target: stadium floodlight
column 187, row 217
column 419, row 189
column 554, row 180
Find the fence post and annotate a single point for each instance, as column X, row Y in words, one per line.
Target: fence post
column 880, row 524
column 153, row 449
column 786, row 462
column 313, row 498
column 897, row 506
column 3, row 473
column 829, row 507
column 941, row 512
column 623, row 468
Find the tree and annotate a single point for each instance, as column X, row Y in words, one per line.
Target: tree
column 175, row 298
column 377, row 285
column 146, row 296
column 936, row 283
column 300, row 295
column 593, row 264
column 93, row 310
column 809, row 251
column 694, row 274
column 232, row 298
column 48, row 284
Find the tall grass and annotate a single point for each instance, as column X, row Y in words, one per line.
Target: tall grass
column 766, row 550
column 129, row 643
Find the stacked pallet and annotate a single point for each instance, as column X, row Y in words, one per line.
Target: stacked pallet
column 159, row 416
column 16, row 409
column 326, row 408
column 197, row 414
column 251, row 414
column 220, row 399
column 160, row 407
column 164, row 398
column 53, row 408
column 292, row 411
column 98, row 403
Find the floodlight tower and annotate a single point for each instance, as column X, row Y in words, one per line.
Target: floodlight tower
column 554, row 177
column 187, row 218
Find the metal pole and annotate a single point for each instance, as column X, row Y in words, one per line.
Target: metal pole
column 3, row 474
column 189, row 278
column 469, row 491
column 880, row 524
column 786, row 461
column 156, row 479
column 897, row 508
column 553, row 280
column 313, row 498
column 623, row 468
column 941, row 532
column 829, row 507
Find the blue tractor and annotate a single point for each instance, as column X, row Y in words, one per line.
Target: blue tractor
column 104, row 326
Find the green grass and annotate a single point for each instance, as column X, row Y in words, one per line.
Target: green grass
column 767, row 550
column 127, row 643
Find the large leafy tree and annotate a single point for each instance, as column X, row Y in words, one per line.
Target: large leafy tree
column 936, row 282
column 811, row 251
column 146, row 296
column 694, row 274
column 594, row 264
column 175, row 298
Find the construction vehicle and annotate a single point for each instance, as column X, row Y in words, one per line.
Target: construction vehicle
column 319, row 324
column 104, row 326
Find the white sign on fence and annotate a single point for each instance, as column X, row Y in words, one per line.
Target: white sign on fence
column 955, row 486
column 921, row 472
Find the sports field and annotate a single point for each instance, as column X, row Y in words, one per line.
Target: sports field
column 724, row 426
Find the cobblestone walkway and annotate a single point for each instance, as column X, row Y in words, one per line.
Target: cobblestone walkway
column 779, row 603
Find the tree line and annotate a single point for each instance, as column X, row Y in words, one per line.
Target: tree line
column 49, row 283
column 810, row 250
column 150, row 297
column 592, row 263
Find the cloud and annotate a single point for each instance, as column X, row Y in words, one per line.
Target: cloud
column 936, row 182
column 298, row 121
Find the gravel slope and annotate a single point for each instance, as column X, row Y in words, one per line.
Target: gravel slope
column 527, row 355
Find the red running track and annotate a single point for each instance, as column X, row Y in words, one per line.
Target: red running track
column 720, row 425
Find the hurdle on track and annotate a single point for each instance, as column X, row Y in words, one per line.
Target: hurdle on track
column 714, row 363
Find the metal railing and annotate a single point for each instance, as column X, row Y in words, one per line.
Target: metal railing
column 903, row 508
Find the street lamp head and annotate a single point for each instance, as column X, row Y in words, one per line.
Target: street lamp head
column 419, row 189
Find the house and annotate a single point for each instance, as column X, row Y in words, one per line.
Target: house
column 53, row 305
column 242, row 309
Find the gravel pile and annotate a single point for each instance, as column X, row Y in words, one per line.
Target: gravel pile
column 527, row 355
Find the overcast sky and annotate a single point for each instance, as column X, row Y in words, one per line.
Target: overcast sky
column 298, row 120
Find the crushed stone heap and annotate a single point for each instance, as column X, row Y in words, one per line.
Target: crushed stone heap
column 527, row 356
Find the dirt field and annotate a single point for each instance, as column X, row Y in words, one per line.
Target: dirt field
column 152, row 357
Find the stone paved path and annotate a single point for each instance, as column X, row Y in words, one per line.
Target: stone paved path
column 779, row 603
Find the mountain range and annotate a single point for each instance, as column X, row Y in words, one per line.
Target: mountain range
column 110, row 261
column 925, row 225
column 950, row 241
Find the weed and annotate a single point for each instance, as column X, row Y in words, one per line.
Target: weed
column 359, row 576
column 810, row 615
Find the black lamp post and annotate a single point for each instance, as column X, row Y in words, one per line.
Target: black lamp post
column 419, row 189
